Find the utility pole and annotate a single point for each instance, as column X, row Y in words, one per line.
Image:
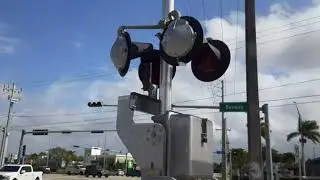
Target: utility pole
column 13, row 91
column 230, row 157
column 254, row 132
column 224, row 138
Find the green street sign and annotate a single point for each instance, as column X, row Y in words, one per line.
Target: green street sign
column 233, row 107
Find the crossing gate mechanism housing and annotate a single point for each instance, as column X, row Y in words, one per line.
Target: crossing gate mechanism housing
column 175, row 146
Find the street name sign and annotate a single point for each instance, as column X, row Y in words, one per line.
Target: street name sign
column 233, row 107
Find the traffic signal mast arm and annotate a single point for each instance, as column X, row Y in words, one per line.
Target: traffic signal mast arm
column 46, row 132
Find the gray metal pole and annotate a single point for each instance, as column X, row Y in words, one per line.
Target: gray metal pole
column 224, row 138
column 104, row 151
column 165, row 87
column 165, row 69
column 265, row 110
column 254, row 132
column 23, row 132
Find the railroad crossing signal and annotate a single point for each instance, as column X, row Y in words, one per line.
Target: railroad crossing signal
column 181, row 41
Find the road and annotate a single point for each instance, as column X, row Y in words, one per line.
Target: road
column 66, row 177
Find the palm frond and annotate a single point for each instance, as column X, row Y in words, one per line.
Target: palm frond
column 292, row 135
column 309, row 125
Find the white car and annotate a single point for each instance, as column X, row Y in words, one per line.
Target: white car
column 19, row 172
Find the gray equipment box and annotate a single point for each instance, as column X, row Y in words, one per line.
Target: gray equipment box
column 191, row 141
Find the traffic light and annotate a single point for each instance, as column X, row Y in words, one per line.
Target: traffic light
column 24, row 150
column 149, row 69
column 123, row 51
column 95, row 104
column 211, row 61
column 40, row 132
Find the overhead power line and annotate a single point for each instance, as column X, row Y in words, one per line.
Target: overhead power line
column 103, row 74
column 260, row 89
column 112, row 120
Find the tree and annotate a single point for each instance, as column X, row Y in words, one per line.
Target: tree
column 60, row 154
column 239, row 158
column 288, row 159
column 308, row 129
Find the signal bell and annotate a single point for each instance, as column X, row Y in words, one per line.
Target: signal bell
column 181, row 40
column 123, row 50
column 211, row 61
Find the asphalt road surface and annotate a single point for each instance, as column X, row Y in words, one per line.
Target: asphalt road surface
column 66, row 177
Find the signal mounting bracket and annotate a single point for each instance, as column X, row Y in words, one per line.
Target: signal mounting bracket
column 145, row 141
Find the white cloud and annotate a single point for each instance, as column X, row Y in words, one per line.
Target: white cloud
column 295, row 58
column 6, row 49
column 7, row 43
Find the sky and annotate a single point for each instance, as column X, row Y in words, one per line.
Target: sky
column 58, row 53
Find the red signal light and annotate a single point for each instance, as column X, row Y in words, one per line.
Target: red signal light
column 211, row 61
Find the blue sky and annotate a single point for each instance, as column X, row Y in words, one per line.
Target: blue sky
column 58, row 39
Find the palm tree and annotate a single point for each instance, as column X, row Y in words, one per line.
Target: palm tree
column 307, row 129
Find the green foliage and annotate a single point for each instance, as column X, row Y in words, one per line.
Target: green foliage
column 239, row 158
column 308, row 129
column 56, row 155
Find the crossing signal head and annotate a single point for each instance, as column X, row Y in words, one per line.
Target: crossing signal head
column 95, row 104
column 123, row 51
column 149, row 69
column 180, row 40
column 211, row 61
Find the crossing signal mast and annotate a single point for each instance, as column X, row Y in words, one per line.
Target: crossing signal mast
column 175, row 145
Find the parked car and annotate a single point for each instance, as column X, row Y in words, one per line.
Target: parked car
column 75, row 169
column 20, row 172
column 94, row 171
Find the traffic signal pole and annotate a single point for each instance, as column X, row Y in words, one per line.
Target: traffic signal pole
column 24, row 132
column 269, row 164
column 224, row 138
